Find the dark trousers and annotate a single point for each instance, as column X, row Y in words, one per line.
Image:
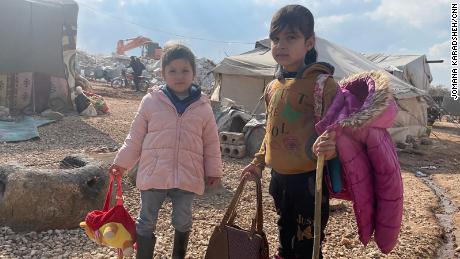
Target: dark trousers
column 294, row 197
column 137, row 81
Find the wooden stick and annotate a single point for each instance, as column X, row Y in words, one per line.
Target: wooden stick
column 318, row 198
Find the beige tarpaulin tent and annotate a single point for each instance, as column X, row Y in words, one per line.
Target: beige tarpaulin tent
column 242, row 78
column 451, row 105
column 413, row 69
column 37, row 54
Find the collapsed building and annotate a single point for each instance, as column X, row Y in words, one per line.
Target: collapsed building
column 93, row 66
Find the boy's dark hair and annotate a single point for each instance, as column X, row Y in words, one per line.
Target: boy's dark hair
column 177, row 51
column 295, row 17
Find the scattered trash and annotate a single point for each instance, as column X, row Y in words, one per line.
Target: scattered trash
column 420, row 174
column 52, row 115
column 426, row 141
column 5, row 114
column 410, row 139
column 431, row 167
column 403, row 145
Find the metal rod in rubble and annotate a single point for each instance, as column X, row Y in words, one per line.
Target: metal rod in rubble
column 318, row 200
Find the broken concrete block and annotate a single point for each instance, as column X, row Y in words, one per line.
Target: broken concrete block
column 231, row 138
column 235, row 151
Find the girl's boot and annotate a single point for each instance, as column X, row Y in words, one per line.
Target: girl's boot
column 145, row 247
column 180, row 244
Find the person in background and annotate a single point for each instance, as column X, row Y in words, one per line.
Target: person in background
column 137, row 66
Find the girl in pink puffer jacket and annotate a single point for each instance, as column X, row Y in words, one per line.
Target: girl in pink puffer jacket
column 174, row 137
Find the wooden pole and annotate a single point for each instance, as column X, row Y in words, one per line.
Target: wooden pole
column 318, row 198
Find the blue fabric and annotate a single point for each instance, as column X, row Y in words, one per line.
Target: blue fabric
column 181, row 105
column 20, row 130
column 335, row 172
column 287, row 74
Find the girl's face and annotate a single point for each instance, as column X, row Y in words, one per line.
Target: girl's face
column 178, row 75
column 289, row 48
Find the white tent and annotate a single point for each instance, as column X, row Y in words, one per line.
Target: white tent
column 242, row 78
column 413, row 69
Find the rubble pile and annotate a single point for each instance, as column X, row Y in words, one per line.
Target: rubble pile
column 204, row 75
column 92, row 66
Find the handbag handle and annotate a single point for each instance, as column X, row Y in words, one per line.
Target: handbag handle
column 118, row 197
column 230, row 214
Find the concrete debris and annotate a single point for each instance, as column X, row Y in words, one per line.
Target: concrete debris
column 204, row 75
column 94, row 66
column 420, row 174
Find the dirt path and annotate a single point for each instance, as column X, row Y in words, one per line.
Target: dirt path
column 420, row 237
column 440, row 164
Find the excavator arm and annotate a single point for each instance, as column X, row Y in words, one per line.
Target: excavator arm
column 131, row 44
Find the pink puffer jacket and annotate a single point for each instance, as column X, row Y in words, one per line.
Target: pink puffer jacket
column 173, row 151
column 361, row 112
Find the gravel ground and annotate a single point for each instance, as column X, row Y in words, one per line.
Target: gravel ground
column 420, row 235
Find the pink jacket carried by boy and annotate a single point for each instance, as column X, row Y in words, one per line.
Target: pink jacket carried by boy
column 174, row 151
column 360, row 114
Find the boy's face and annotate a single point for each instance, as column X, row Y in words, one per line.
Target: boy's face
column 289, row 48
column 178, row 75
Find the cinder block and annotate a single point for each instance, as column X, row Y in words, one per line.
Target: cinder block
column 225, row 149
column 231, row 138
column 235, row 151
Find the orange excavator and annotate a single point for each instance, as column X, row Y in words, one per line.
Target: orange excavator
column 150, row 49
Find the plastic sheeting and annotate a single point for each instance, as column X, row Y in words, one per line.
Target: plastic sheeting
column 242, row 78
column 260, row 63
column 412, row 69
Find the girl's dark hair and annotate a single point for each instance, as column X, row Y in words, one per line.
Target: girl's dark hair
column 177, row 51
column 295, row 17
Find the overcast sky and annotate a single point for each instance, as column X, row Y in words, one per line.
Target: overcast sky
column 217, row 28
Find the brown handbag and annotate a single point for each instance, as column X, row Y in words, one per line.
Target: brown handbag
column 229, row 241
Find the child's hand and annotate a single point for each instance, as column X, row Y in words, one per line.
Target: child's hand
column 251, row 172
column 325, row 145
column 116, row 170
column 212, row 182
